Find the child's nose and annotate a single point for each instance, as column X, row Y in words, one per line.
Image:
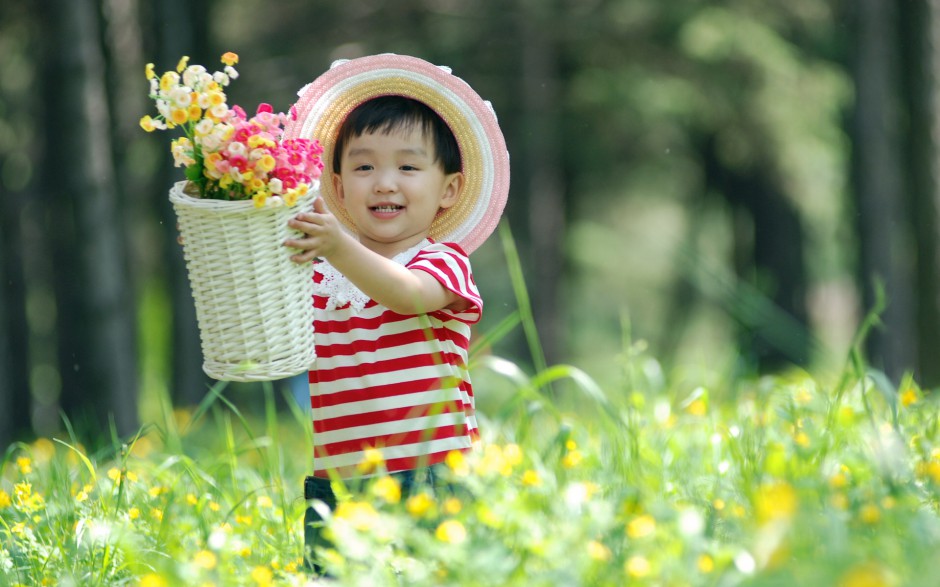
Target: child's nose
column 384, row 182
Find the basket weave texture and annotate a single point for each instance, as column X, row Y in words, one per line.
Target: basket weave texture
column 253, row 304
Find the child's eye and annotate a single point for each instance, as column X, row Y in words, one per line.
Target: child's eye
column 363, row 167
column 408, row 168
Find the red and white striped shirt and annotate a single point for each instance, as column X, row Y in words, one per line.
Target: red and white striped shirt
column 396, row 383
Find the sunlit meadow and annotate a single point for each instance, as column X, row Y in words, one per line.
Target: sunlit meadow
column 783, row 480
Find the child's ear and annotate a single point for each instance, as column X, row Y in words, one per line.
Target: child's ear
column 338, row 187
column 452, row 187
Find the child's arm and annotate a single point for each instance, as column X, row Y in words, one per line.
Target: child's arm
column 397, row 288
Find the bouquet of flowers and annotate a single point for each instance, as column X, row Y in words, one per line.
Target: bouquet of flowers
column 244, row 180
column 227, row 155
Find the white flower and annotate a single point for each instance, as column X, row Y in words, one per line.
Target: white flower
column 237, row 149
column 182, row 96
column 209, row 142
column 230, row 71
column 220, row 78
column 219, row 111
column 275, row 202
column 193, row 75
column 275, row 186
column 204, row 126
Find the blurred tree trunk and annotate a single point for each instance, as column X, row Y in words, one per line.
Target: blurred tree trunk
column 920, row 42
column 7, row 393
column 768, row 255
column 542, row 169
column 15, row 402
column 183, row 29
column 877, row 175
column 97, row 356
column 17, row 192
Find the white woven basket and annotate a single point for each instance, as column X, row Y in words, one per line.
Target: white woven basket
column 254, row 305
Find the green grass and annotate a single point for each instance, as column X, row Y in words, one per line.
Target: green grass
column 794, row 482
column 784, row 480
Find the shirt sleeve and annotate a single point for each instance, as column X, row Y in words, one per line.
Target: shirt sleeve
column 450, row 266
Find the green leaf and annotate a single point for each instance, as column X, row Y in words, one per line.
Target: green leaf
column 194, row 172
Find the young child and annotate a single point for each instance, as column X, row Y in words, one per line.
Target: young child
column 419, row 178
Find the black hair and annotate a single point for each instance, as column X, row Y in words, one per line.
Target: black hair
column 386, row 114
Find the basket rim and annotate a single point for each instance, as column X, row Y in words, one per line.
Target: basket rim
column 178, row 196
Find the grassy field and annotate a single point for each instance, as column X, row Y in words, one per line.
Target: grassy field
column 786, row 481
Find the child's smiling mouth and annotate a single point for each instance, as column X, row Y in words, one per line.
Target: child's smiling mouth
column 386, row 208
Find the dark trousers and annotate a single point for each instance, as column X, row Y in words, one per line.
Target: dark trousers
column 320, row 489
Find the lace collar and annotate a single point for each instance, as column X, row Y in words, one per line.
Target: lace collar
column 339, row 291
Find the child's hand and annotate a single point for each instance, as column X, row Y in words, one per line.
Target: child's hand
column 323, row 233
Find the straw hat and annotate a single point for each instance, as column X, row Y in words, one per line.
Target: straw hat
column 324, row 104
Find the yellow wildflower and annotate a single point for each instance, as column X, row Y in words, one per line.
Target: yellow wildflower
column 452, row 506
column 5, row 501
column 359, row 514
column 191, row 499
column 513, row 454
column 148, row 71
column 869, row 514
column 572, row 459
column 43, row 450
column 697, row 407
column 838, row 480
column 388, row 489
column 776, row 501
column 26, row 500
column 156, row 514
column 214, row 506
column 205, row 559
column 801, row 439
column 25, row 465
column 133, row 513
column 868, row 575
column 262, row 576
column 597, row 551
column 451, row 531
column 531, row 478
column 243, row 520
column 641, row 526
column 803, row 396
column 457, row 463
column 152, row 580
column 372, row 459
column 184, row 61
column 493, row 461
column 264, row 502
column 637, row 566
column 706, row 564
column 909, row 397
column 419, row 504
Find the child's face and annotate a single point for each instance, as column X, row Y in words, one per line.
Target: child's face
column 392, row 188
